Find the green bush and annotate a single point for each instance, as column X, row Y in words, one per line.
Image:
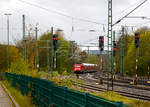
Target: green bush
column 19, row 67
column 23, row 101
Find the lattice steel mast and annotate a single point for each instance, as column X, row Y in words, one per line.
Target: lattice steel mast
column 109, row 41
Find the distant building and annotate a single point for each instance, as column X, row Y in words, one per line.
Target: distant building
column 96, row 52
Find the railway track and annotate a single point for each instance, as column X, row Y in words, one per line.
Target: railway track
column 126, row 80
column 123, row 85
column 127, row 94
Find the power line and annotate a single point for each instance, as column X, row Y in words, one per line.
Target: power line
column 129, row 12
column 128, row 7
column 60, row 13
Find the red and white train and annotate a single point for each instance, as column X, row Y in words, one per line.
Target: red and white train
column 85, row 68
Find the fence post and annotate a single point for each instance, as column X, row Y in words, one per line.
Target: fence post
column 86, row 99
column 51, row 94
column 119, row 104
column 65, row 96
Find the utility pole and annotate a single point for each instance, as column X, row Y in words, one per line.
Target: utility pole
column 8, row 59
column 52, row 51
column 48, row 58
column 122, row 52
column 24, row 39
column 109, row 41
column 36, row 44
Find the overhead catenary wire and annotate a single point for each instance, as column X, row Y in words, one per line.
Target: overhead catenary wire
column 130, row 6
column 60, row 13
column 130, row 12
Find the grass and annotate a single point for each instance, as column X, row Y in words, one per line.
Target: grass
column 129, row 102
column 23, row 101
column 115, row 97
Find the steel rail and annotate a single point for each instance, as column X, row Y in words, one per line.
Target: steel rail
column 127, row 94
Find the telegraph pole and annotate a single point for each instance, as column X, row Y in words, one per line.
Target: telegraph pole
column 122, row 52
column 52, row 51
column 24, row 39
column 36, row 44
column 8, row 60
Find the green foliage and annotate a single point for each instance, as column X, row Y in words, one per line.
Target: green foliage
column 61, row 53
column 130, row 54
column 13, row 53
column 143, row 53
column 64, row 73
column 92, row 59
column 64, row 79
column 30, row 49
column 113, row 96
column 20, row 67
column 23, row 101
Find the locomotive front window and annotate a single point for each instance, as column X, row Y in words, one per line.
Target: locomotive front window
column 78, row 66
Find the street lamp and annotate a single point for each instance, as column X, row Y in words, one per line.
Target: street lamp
column 8, row 14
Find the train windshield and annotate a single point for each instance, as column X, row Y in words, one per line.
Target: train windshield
column 77, row 65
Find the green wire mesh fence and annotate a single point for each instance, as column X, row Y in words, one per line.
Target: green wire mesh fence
column 45, row 94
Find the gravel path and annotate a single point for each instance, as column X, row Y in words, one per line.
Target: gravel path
column 4, row 100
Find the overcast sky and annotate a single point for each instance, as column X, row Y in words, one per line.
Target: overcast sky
column 94, row 10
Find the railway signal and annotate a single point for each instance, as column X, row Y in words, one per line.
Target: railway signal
column 55, row 41
column 101, row 43
column 101, row 46
column 137, row 39
column 114, row 49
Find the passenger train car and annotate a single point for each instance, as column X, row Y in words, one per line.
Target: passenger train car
column 85, row 68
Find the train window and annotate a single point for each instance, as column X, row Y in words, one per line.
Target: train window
column 77, row 66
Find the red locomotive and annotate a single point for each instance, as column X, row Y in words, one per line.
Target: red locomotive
column 85, row 68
